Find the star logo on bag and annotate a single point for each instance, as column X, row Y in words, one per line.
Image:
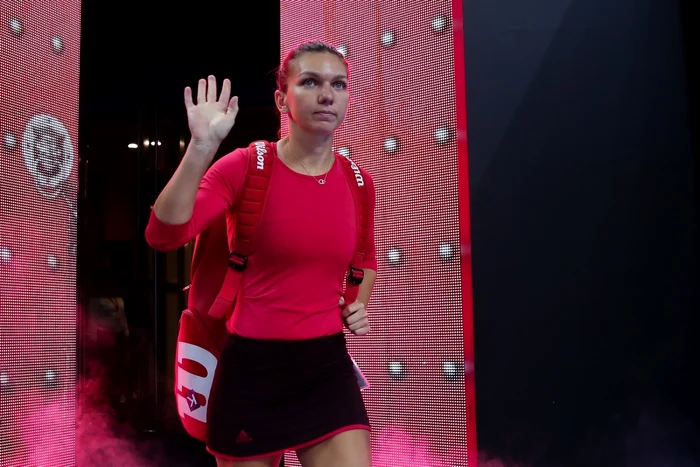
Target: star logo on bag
column 194, row 399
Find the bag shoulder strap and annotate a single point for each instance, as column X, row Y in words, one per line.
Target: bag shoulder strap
column 250, row 205
column 360, row 194
column 248, row 212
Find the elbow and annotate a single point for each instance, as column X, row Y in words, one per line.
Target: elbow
column 166, row 237
column 159, row 242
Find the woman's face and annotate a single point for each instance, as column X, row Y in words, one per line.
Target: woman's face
column 317, row 92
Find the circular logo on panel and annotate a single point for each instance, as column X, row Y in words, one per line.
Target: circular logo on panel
column 48, row 153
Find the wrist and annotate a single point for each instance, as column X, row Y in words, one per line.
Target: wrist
column 197, row 159
column 202, row 152
column 203, row 148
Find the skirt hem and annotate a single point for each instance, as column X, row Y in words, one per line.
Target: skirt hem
column 278, row 452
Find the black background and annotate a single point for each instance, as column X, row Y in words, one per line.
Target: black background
column 584, row 222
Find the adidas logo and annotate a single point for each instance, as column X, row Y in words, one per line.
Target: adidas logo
column 243, row 437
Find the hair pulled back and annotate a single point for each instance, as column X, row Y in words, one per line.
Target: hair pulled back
column 304, row 48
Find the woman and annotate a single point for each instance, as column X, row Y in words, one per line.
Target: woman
column 285, row 380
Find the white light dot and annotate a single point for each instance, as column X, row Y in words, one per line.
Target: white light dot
column 396, row 369
column 388, row 38
column 439, row 23
column 343, row 49
column 394, row 256
column 446, row 251
column 50, row 379
column 4, row 379
column 133, row 146
column 442, row 135
column 16, row 26
column 5, row 255
column 390, row 144
column 52, row 261
column 345, row 152
column 57, row 44
column 451, row 369
column 10, row 141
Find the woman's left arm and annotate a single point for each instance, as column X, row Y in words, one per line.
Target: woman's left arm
column 365, row 288
column 355, row 314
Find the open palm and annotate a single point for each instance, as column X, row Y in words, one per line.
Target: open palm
column 210, row 120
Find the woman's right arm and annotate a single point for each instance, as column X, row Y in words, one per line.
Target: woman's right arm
column 176, row 201
column 188, row 206
column 191, row 201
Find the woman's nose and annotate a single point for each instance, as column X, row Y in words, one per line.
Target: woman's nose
column 325, row 95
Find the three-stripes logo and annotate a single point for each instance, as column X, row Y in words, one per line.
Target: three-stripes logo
column 243, row 437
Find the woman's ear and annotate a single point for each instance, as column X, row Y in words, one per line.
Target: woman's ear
column 281, row 101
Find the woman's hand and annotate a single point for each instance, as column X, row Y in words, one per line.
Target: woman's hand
column 355, row 317
column 210, row 119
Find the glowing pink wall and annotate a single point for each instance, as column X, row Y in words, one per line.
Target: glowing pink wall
column 39, row 62
column 407, row 126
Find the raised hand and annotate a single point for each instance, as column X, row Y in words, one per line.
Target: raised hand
column 211, row 119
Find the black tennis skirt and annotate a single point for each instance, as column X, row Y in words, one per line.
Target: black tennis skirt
column 270, row 397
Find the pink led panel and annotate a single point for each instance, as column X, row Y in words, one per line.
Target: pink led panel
column 39, row 60
column 407, row 127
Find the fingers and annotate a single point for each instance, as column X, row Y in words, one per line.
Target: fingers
column 352, row 309
column 359, row 322
column 233, row 106
column 354, row 313
column 206, row 92
column 361, row 331
column 211, row 91
column 188, row 98
column 360, row 327
column 225, row 93
column 355, row 316
column 202, row 91
column 341, row 302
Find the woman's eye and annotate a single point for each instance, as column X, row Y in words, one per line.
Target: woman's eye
column 337, row 85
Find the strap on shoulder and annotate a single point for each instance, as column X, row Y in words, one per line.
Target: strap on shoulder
column 248, row 212
column 251, row 202
column 360, row 195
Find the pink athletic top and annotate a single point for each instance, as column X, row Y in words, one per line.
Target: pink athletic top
column 306, row 240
